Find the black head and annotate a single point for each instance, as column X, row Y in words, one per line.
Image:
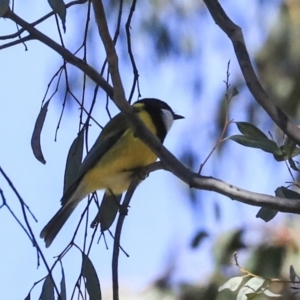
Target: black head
column 161, row 114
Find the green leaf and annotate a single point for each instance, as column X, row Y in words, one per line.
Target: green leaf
column 107, row 212
column 249, row 129
column 264, row 144
column 73, row 160
column 92, row 282
column 289, row 146
column 266, row 213
column 283, row 155
column 286, row 193
column 232, row 284
column 4, row 6
column 47, row 290
column 59, row 8
column 36, row 135
column 293, row 165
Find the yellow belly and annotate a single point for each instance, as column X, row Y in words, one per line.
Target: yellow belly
column 114, row 170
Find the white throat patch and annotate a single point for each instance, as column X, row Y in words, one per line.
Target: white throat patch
column 168, row 118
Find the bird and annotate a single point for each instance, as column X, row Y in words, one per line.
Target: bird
column 113, row 158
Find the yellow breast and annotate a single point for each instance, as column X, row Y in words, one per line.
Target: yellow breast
column 114, row 169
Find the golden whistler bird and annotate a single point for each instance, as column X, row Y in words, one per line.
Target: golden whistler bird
column 113, row 158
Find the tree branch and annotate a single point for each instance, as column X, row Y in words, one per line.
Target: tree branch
column 169, row 161
column 194, row 180
column 235, row 34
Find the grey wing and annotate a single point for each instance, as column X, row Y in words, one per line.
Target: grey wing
column 108, row 137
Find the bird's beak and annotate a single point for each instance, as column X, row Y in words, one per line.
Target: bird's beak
column 177, row 117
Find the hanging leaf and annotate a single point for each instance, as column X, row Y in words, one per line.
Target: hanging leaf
column 107, row 212
column 198, row 238
column 63, row 291
column 36, row 135
column 28, row 297
column 59, row 7
column 266, row 214
column 249, row 129
column 73, row 160
column 4, row 6
column 293, row 165
column 48, row 289
column 264, row 144
column 92, row 282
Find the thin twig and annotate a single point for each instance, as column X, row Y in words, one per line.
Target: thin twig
column 123, row 212
column 132, row 60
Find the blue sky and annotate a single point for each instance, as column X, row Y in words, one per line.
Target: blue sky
column 166, row 222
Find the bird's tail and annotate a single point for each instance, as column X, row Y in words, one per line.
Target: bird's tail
column 55, row 224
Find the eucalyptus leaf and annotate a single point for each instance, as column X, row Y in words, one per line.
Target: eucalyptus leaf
column 107, row 212
column 28, row 297
column 283, row 155
column 91, row 278
column 59, row 7
column 63, row 291
column 266, row 213
column 264, row 144
column 36, row 135
column 231, row 284
column 198, row 238
column 286, row 193
column 289, row 146
column 293, row 165
column 47, row 289
column 4, row 6
column 249, row 129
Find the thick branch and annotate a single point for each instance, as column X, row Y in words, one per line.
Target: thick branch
column 235, row 34
column 112, row 57
column 194, row 180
